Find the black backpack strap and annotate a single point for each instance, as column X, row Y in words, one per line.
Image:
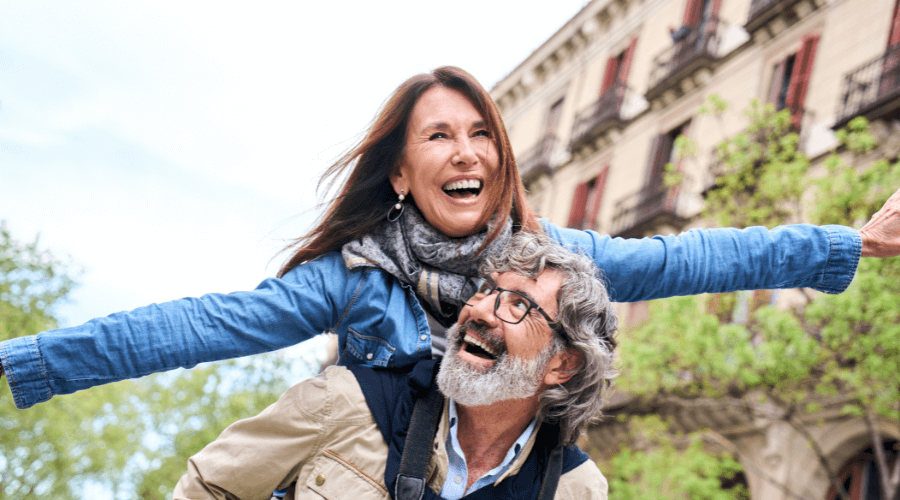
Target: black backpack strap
column 410, row 484
column 552, row 474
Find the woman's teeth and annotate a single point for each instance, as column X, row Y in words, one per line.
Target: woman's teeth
column 469, row 187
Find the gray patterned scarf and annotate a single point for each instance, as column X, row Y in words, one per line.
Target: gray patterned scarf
column 439, row 268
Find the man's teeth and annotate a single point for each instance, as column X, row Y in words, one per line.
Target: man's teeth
column 472, row 340
column 466, row 184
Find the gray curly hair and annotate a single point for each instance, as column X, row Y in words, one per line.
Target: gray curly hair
column 585, row 315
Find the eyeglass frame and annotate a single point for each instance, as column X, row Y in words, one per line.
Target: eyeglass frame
column 531, row 305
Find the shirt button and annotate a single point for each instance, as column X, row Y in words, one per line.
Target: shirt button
column 320, row 480
column 369, row 356
column 424, row 337
column 457, row 480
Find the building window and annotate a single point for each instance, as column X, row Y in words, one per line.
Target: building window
column 586, row 203
column 859, row 475
column 617, row 68
column 663, row 151
column 553, row 116
column 790, row 79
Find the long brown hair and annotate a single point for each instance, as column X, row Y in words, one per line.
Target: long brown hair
column 367, row 194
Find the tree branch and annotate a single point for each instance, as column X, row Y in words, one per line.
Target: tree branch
column 880, row 459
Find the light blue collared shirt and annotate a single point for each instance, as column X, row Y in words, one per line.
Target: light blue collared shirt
column 457, row 473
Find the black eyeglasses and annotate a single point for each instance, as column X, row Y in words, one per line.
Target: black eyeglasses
column 512, row 307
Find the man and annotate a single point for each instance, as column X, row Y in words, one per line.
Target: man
column 524, row 372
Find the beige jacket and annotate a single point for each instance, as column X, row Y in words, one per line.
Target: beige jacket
column 321, row 434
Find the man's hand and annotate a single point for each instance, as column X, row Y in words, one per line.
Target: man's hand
column 881, row 235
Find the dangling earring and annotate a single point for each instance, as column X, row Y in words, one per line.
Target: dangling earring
column 392, row 215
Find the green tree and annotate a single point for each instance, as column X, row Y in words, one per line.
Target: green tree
column 730, row 350
column 659, row 465
column 133, row 437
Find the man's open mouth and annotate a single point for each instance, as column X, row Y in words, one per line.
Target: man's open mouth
column 478, row 348
column 469, row 188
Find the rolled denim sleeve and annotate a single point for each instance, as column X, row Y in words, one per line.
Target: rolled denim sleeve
column 721, row 260
column 177, row 334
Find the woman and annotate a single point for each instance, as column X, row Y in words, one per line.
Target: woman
column 431, row 190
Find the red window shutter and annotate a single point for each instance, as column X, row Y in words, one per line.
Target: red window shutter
column 800, row 78
column 609, row 75
column 579, row 202
column 626, row 61
column 692, row 12
column 894, row 37
column 596, row 198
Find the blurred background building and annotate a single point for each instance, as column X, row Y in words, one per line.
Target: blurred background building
column 594, row 114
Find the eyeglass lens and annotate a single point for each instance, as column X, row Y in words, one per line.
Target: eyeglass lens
column 510, row 306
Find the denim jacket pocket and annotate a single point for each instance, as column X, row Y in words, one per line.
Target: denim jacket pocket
column 366, row 350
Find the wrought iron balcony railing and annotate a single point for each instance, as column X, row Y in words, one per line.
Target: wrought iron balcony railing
column 652, row 205
column 537, row 159
column 695, row 46
column 873, row 89
column 763, row 12
column 602, row 115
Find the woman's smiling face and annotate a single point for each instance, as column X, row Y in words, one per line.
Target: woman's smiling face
column 448, row 163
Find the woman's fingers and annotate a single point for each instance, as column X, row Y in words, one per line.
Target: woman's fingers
column 881, row 235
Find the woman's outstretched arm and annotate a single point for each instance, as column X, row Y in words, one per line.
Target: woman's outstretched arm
column 178, row 334
column 724, row 260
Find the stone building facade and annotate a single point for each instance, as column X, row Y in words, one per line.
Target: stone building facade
column 593, row 115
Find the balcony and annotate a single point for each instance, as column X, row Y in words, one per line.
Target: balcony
column 774, row 16
column 600, row 117
column 652, row 206
column 872, row 90
column 695, row 49
column 536, row 161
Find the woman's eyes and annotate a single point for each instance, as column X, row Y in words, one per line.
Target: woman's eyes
column 442, row 135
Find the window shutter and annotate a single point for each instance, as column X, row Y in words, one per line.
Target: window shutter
column 609, row 75
column 576, row 215
column 692, row 13
column 656, row 160
column 626, row 61
column 894, row 37
column 596, row 198
column 800, row 78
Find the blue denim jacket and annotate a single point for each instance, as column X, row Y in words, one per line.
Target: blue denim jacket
column 379, row 321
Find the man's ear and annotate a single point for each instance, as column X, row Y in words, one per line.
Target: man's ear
column 562, row 367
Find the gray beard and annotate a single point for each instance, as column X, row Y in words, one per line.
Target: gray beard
column 510, row 378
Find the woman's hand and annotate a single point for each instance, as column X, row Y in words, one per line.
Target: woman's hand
column 881, row 235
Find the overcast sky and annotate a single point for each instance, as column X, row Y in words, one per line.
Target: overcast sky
column 171, row 148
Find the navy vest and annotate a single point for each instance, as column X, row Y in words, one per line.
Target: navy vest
column 391, row 394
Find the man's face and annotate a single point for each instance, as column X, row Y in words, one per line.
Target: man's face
column 489, row 360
